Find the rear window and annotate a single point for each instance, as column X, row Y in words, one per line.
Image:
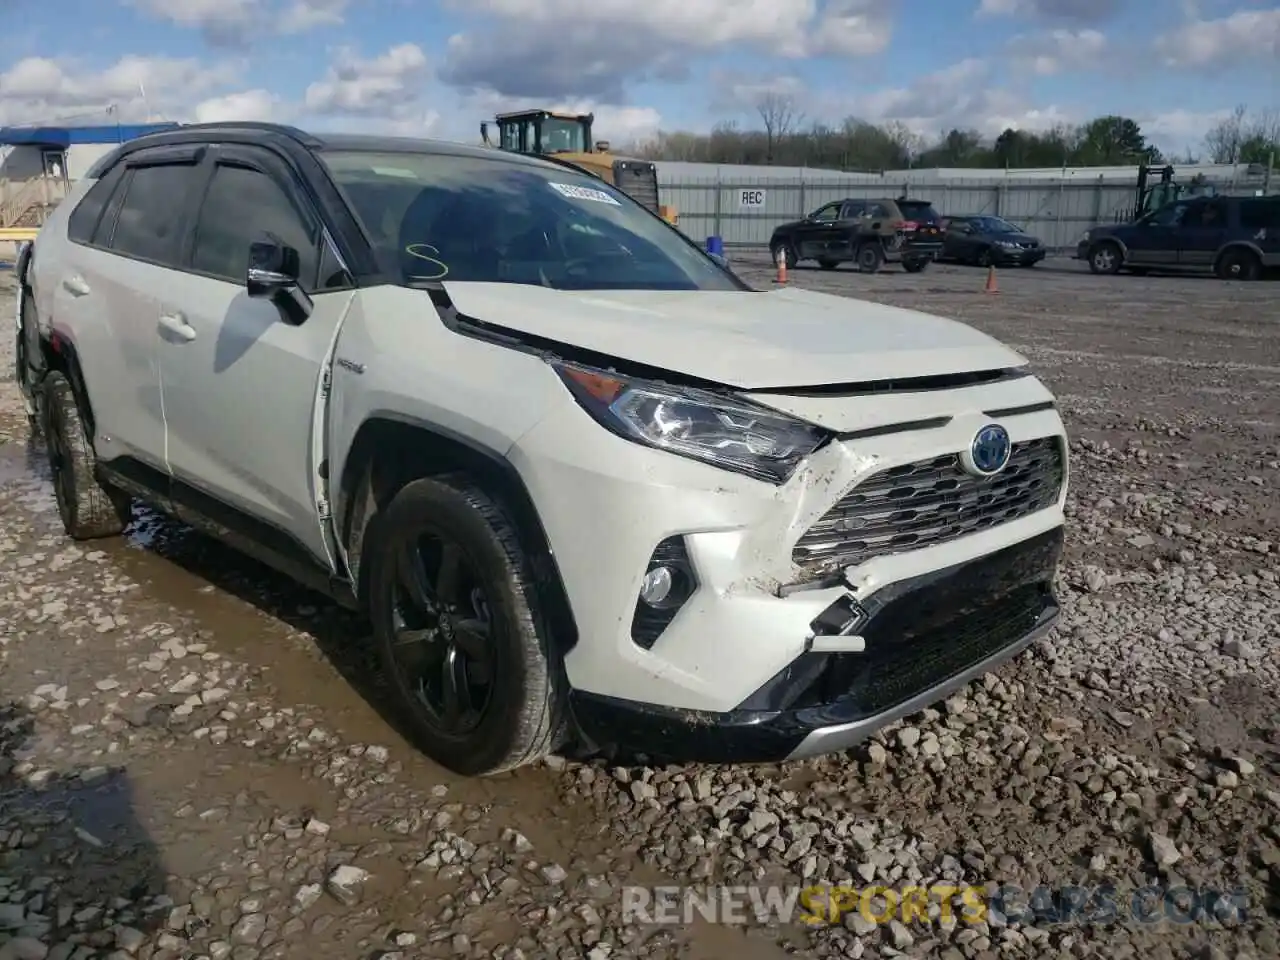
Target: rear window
column 1260, row 214
column 919, row 210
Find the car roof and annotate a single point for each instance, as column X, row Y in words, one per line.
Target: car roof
column 281, row 134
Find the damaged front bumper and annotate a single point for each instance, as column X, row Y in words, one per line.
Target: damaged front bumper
column 922, row 639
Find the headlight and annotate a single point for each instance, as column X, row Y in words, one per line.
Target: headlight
column 1007, row 244
column 728, row 433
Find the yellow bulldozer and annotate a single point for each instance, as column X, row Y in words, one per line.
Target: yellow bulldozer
column 567, row 136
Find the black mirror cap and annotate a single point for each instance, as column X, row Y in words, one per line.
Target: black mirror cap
column 273, row 267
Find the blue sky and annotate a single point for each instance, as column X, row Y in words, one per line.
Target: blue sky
column 438, row 67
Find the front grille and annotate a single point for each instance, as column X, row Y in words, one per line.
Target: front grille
column 897, row 668
column 921, row 633
column 930, row 502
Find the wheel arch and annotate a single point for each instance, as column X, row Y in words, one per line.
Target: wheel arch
column 1234, row 245
column 389, row 450
column 1099, row 241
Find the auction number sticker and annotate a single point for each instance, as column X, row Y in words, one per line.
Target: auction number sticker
column 583, row 193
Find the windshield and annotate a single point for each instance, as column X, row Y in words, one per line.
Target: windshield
column 437, row 217
column 563, row 135
column 994, row 225
column 919, row 210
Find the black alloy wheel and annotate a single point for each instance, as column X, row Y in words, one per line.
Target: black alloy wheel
column 442, row 639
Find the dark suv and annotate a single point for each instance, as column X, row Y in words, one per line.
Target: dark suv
column 1235, row 237
column 868, row 232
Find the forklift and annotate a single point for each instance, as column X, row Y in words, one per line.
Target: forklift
column 1156, row 195
column 567, row 136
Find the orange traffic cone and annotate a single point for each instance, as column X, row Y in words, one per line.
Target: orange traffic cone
column 991, row 287
column 782, row 267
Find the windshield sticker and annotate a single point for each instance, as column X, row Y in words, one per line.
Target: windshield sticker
column 583, row 193
column 438, row 269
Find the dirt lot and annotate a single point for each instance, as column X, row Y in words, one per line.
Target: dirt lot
column 193, row 748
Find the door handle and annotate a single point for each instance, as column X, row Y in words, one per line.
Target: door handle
column 177, row 324
column 75, row 286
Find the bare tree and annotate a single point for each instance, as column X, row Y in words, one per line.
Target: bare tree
column 780, row 117
column 1224, row 139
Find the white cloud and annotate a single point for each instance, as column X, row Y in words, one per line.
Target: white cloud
column 134, row 88
column 387, row 86
column 1079, row 11
column 1180, row 130
column 252, row 105
column 238, row 22
column 600, row 47
column 1054, row 51
column 1244, row 35
column 960, row 96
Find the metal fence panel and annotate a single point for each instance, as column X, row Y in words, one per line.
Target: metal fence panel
column 1056, row 211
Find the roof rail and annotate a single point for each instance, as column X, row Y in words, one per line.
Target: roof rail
column 282, row 128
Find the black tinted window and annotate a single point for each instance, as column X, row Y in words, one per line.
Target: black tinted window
column 149, row 223
column 1260, row 214
column 918, row 210
column 1211, row 213
column 433, row 216
column 88, row 212
column 242, row 206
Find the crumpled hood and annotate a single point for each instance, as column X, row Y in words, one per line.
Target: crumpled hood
column 781, row 338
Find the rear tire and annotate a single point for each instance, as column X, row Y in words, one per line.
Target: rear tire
column 870, row 258
column 26, row 358
column 1239, row 265
column 516, row 701
column 89, row 510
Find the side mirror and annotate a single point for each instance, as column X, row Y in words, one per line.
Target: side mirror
column 273, row 273
column 722, row 261
column 273, row 268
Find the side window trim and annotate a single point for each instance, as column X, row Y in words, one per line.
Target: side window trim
column 105, row 232
column 263, row 161
column 109, row 182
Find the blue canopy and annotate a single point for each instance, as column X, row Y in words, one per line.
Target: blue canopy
column 66, row 136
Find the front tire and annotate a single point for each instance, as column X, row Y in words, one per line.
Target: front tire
column 1106, row 258
column 458, row 630
column 89, row 510
column 782, row 249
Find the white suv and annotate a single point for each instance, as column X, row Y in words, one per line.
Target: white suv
column 593, row 491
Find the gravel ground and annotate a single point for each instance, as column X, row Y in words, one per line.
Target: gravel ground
column 195, row 765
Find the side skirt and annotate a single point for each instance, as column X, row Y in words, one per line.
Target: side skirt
column 240, row 531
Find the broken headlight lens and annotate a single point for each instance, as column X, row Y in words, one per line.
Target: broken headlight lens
column 729, row 433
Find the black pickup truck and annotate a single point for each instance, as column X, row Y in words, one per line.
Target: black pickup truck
column 869, row 233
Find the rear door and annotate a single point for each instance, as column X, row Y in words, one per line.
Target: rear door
column 107, row 293
column 1202, row 233
column 1260, row 224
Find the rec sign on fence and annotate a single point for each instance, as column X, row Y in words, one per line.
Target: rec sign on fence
column 751, row 199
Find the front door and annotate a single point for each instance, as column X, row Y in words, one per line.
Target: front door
column 241, row 382
column 1202, row 233
column 813, row 235
column 1153, row 241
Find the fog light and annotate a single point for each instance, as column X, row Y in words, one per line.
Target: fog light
column 656, row 586
column 666, row 586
